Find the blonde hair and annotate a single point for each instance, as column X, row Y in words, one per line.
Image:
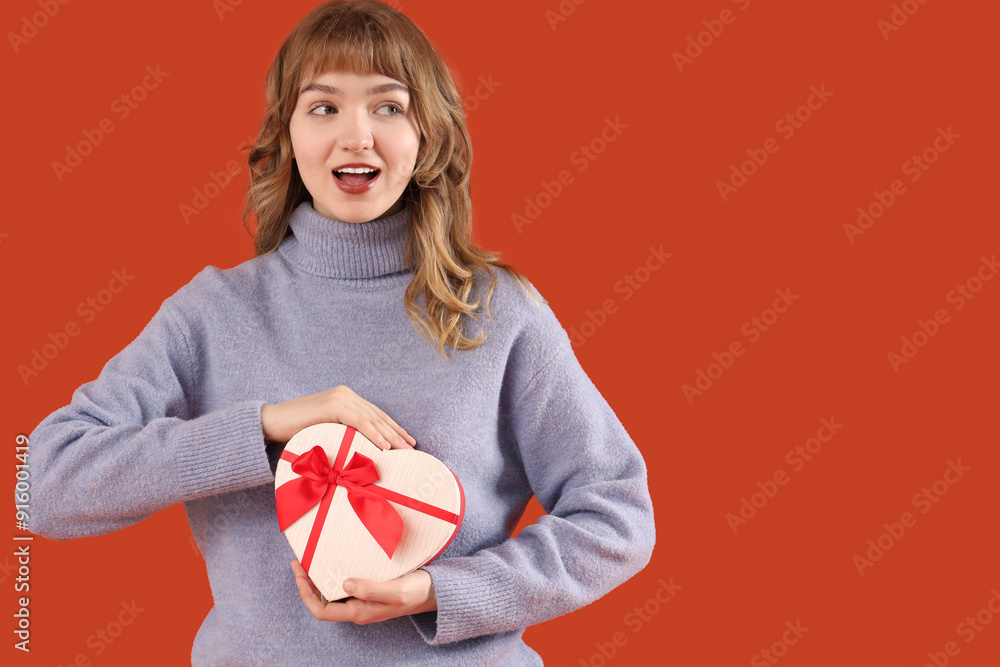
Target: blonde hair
column 367, row 37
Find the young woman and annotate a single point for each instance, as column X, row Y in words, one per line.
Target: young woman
column 365, row 284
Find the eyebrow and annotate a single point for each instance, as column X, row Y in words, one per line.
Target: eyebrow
column 374, row 90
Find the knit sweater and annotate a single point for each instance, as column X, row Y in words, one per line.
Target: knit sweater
column 179, row 410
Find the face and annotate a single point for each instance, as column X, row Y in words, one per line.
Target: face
column 344, row 120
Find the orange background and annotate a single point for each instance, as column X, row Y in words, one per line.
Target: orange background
column 655, row 184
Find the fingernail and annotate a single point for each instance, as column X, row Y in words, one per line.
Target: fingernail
column 385, row 444
column 350, row 585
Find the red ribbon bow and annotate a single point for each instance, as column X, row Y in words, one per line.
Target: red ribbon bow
column 319, row 478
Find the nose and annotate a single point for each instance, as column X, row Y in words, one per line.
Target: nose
column 356, row 133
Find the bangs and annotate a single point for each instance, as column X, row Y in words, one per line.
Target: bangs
column 354, row 44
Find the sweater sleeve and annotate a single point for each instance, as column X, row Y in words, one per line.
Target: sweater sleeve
column 590, row 478
column 126, row 445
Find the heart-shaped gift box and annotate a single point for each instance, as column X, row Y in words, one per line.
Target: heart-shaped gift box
column 350, row 509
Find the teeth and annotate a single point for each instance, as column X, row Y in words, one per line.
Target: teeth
column 356, row 170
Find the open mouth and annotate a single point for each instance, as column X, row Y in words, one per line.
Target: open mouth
column 355, row 179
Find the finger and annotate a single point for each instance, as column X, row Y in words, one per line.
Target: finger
column 307, row 590
column 399, row 432
column 356, row 412
column 389, row 431
column 302, row 578
column 368, row 429
column 388, row 592
column 357, row 611
column 400, row 444
column 385, row 437
column 298, row 569
column 329, row 611
column 393, row 433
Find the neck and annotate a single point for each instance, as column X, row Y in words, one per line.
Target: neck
column 347, row 250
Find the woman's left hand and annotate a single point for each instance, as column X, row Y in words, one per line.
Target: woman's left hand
column 411, row 593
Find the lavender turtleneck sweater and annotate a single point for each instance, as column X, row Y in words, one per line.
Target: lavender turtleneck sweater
column 179, row 410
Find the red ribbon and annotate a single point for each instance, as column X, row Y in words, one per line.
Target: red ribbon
column 318, row 482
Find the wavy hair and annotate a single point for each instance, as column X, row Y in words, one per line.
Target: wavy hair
column 368, row 37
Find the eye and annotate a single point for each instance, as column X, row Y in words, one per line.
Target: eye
column 393, row 105
column 321, row 106
column 390, row 105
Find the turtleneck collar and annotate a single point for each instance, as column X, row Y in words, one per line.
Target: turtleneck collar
column 334, row 249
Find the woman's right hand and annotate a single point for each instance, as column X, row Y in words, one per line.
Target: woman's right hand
column 283, row 420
